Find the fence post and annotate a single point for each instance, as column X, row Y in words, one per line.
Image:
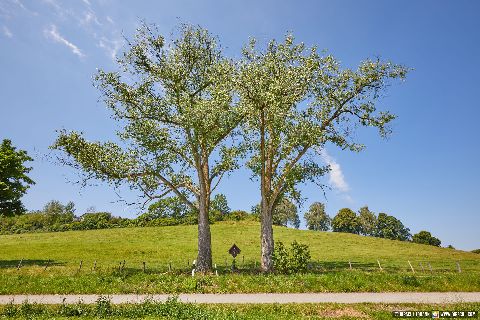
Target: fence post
column 411, row 267
column 144, row 267
column 430, row 267
column 170, row 266
column 19, row 264
column 80, row 266
column 458, row 267
column 379, row 265
column 94, row 265
column 350, row 264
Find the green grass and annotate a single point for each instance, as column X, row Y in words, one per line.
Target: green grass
column 173, row 309
column 161, row 247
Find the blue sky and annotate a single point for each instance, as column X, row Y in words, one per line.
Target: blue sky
column 427, row 173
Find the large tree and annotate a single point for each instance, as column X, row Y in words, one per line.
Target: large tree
column 14, row 181
column 367, row 221
column 317, row 218
column 176, row 105
column 346, row 221
column 390, row 227
column 296, row 101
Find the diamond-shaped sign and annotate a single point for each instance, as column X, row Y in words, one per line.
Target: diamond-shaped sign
column 234, row 250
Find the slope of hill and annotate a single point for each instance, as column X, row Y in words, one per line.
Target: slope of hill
column 111, row 261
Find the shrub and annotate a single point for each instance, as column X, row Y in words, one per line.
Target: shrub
column 476, row 251
column 425, row 237
column 296, row 259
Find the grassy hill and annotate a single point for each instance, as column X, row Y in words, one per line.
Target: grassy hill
column 50, row 262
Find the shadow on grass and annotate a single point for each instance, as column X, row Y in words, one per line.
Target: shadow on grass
column 11, row 264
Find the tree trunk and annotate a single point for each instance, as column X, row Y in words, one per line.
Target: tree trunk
column 204, row 258
column 266, row 237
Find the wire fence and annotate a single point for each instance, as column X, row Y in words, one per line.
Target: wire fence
column 245, row 265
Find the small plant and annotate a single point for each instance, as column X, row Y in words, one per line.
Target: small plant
column 296, row 259
column 103, row 307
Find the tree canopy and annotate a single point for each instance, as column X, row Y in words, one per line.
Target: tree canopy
column 14, row 181
column 295, row 102
column 175, row 102
column 316, row 218
column 390, row 227
column 425, row 237
column 346, row 221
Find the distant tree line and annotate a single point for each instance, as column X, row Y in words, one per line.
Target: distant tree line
column 366, row 223
column 56, row 216
column 170, row 211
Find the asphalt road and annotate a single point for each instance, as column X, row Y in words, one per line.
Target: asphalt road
column 256, row 298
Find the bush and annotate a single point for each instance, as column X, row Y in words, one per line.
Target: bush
column 289, row 261
column 476, row 251
column 425, row 237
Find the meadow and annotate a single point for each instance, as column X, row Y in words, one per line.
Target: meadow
column 159, row 260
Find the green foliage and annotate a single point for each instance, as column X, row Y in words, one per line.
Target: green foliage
column 390, row 227
column 220, row 203
column 346, row 221
column 284, row 213
column 168, row 207
column 294, row 260
column 173, row 309
column 174, row 101
column 476, row 251
column 367, row 221
column 425, row 237
column 14, row 181
column 316, row 218
column 58, row 217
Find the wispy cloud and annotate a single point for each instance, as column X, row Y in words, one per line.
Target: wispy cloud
column 111, row 47
column 7, row 32
column 52, row 33
column 336, row 177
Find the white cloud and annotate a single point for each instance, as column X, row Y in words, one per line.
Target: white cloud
column 7, row 32
column 53, row 34
column 89, row 17
column 336, row 177
column 110, row 46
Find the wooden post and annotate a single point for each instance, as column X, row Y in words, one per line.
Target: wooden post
column 46, row 266
column 350, row 264
column 80, row 266
column 243, row 261
column 144, row 267
column 94, row 265
column 170, row 266
column 19, row 264
column 411, row 267
column 430, row 267
column 379, row 265
column 458, row 267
